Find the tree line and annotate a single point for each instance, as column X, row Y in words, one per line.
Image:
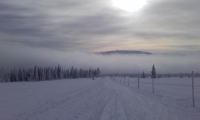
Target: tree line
column 48, row 73
column 153, row 74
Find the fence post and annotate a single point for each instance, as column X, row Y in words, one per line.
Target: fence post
column 153, row 85
column 193, row 89
column 138, row 82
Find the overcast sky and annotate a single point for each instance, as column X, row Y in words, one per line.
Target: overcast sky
column 48, row 26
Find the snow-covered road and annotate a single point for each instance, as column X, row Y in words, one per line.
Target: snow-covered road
column 87, row 99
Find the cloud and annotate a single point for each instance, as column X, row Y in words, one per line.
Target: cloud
column 178, row 62
column 175, row 19
column 84, row 22
column 42, row 33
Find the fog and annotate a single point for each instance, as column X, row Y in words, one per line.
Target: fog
column 27, row 57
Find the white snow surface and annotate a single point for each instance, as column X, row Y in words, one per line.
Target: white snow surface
column 100, row 99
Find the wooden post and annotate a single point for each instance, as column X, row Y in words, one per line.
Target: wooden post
column 138, row 82
column 153, row 85
column 193, row 89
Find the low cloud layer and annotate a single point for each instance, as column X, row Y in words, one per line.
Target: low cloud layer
column 178, row 62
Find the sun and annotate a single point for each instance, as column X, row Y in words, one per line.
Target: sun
column 129, row 5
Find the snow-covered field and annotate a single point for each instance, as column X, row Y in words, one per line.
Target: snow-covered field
column 100, row 99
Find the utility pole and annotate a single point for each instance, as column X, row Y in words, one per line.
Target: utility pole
column 193, row 89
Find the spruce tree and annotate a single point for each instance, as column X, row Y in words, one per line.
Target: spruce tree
column 143, row 75
column 59, row 72
column 153, row 72
column 72, row 72
column 35, row 74
column 80, row 73
column 98, row 71
column 20, row 75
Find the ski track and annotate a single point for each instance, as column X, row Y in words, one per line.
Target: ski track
column 104, row 99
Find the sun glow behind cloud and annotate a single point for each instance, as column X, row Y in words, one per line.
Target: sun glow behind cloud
column 129, row 5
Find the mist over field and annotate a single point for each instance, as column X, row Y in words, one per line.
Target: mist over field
column 165, row 62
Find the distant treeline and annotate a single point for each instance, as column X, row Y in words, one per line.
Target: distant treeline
column 47, row 73
column 147, row 75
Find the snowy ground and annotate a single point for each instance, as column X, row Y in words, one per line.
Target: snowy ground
column 100, row 99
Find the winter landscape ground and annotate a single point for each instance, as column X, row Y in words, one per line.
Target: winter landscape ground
column 100, row 99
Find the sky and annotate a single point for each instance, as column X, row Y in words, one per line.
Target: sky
column 43, row 32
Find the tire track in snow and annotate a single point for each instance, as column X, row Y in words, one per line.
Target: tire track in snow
column 132, row 105
column 66, row 105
